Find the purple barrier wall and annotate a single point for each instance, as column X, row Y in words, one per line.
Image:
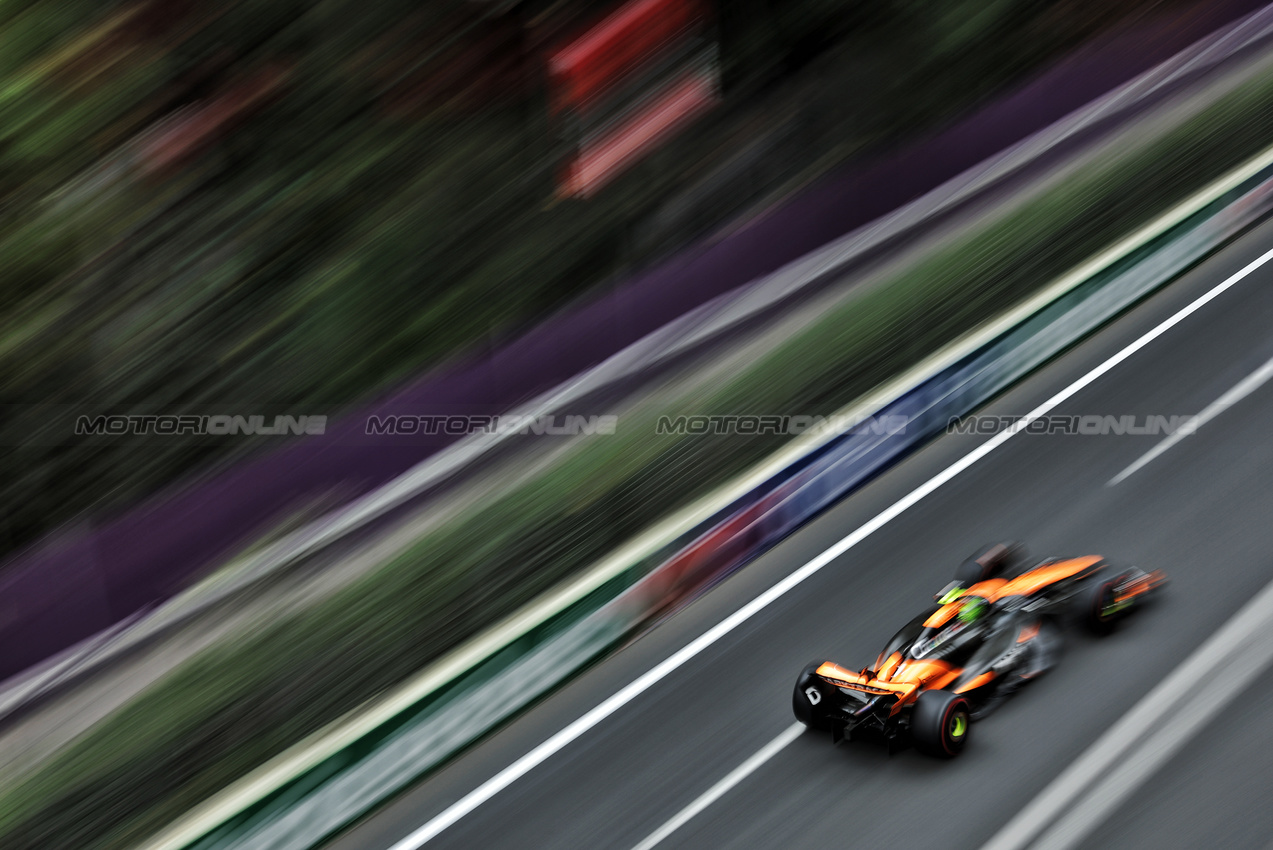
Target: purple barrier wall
column 81, row 583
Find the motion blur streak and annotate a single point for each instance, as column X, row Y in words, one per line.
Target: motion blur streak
column 547, row 749
column 1241, row 390
column 1125, row 756
column 721, row 788
column 600, row 160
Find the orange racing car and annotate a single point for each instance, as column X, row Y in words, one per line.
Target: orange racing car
column 992, row 629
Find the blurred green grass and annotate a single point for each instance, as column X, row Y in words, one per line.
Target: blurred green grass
column 234, row 706
column 360, row 224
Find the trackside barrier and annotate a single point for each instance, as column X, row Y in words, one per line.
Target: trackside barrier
column 348, row 784
column 78, row 583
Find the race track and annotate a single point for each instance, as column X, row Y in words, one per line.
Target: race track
column 1202, row 511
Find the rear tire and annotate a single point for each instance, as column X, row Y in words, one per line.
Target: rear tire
column 811, row 698
column 940, row 722
column 990, row 562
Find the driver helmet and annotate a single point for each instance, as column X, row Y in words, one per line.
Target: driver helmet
column 973, row 609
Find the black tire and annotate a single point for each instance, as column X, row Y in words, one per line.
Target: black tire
column 940, row 723
column 990, row 562
column 1097, row 608
column 809, row 709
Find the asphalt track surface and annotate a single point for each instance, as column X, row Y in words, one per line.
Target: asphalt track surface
column 1202, row 511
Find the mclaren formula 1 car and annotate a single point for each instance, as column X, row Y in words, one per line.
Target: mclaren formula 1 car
column 994, row 628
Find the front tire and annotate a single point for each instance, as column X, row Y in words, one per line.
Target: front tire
column 940, row 722
column 1100, row 608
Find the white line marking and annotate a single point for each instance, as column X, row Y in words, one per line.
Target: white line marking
column 1244, row 388
column 721, row 788
column 647, row 680
column 1123, row 757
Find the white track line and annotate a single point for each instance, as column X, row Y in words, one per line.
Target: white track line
column 1146, row 736
column 720, row 789
column 1244, row 388
column 647, row 680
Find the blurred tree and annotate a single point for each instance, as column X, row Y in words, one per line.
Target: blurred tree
column 300, row 202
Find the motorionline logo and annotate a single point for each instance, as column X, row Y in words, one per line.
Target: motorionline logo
column 1087, row 425
column 197, row 424
column 458, row 425
column 781, row 424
